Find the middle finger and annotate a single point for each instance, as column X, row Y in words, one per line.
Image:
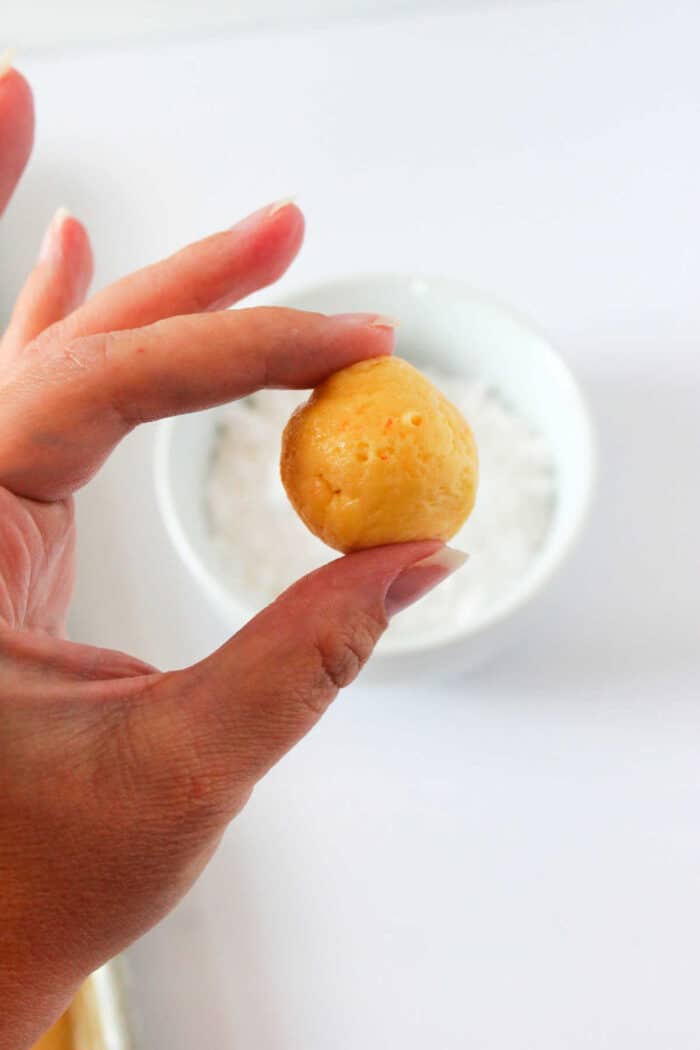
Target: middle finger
column 208, row 275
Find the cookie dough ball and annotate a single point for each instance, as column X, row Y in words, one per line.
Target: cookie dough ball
column 378, row 455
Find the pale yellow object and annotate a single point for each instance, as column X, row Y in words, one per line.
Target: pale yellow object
column 88, row 1023
column 60, row 1037
column 378, row 455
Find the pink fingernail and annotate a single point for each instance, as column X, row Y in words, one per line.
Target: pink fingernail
column 256, row 217
column 373, row 320
column 278, row 205
column 51, row 244
column 416, row 580
column 7, row 59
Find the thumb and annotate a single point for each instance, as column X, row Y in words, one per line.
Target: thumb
column 228, row 719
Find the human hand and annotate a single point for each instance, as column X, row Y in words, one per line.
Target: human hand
column 116, row 780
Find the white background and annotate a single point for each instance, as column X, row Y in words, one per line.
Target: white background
column 510, row 862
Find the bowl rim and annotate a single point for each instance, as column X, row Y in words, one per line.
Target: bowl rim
column 546, row 562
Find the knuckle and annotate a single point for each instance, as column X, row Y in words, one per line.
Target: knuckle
column 85, row 352
column 81, row 353
column 71, row 354
column 55, row 356
column 342, row 654
column 99, row 353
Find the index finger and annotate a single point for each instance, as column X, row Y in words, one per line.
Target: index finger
column 16, row 127
column 67, row 407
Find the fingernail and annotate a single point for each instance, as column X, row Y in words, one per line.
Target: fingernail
column 373, row 320
column 51, row 244
column 419, row 578
column 7, row 59
column 256, row 217
column 278, row 205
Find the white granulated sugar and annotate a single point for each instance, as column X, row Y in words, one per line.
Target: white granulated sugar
column 264, row 546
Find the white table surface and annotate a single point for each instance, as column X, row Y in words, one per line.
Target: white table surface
column 46, row 25
column 510, row 862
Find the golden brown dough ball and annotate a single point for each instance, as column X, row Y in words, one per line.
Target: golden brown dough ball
column 378, row 455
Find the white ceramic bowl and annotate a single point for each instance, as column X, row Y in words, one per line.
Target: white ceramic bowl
column 452, row 329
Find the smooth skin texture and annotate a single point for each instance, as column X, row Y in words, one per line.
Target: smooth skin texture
column 116, row 780
column 378, row 455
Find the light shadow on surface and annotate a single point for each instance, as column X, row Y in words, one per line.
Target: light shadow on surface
column 202, row 977
column 627, row 607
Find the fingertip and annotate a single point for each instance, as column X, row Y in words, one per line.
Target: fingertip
column 281, row 232
column 359, row 337
column 264, row 245
column 384, row 563
column 362, row 577
column 7, row 59
column 282, row 219
column 66, row 257
column 66, row 241
column 286, row 209
column 77, row 239
column 297, row 220
column 8, row 72
column 16, row 129
column 16, row 95
column 77, row 250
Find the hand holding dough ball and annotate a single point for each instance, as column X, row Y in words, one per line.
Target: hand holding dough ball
column 377, row 455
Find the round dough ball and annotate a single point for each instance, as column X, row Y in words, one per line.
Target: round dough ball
column 377, row 455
